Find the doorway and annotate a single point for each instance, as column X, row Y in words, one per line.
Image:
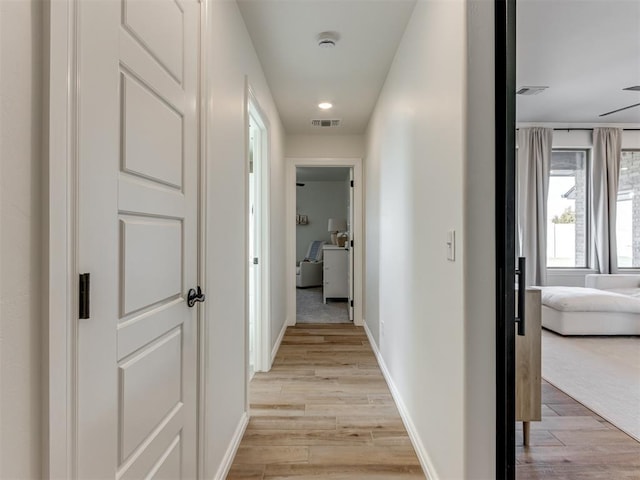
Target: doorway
column 258, row 238
column 324, row 260
column 346, row 227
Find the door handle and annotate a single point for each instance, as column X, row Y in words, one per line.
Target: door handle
column 194, row 296
column 521, row 273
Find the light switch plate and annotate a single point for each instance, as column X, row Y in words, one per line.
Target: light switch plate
column 451, row 245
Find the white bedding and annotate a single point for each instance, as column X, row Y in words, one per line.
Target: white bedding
column 580, row 299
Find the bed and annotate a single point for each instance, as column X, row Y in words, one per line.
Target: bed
column 607, row 305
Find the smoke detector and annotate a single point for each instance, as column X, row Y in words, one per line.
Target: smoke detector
column 531, row 90
column 328, row 39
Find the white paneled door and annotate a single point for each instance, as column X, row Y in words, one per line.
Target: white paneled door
column 137, row 150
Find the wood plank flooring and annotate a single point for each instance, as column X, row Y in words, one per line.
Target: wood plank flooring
column 573, row 443
column 324, row 411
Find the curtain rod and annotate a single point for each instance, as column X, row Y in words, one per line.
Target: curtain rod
column 588, row 129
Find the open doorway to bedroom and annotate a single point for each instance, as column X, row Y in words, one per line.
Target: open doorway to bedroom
column 323, row 233
column 578, row 186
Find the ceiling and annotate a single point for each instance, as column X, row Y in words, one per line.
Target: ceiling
column 301, row 74
column 586, row 52
column 322, row 174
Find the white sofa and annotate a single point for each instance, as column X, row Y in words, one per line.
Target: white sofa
column 309, row 271
column 607, row 305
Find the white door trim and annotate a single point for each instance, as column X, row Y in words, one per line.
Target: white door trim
column 263, row 329
column 60, row 260
column 61, row 238
column 203, row 335
column 358, row 237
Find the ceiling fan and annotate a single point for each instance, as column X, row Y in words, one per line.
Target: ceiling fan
column 635, row 88
column 619, row 110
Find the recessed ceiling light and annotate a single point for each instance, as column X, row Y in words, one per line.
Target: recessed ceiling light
column 325, row 105
column 635, row 88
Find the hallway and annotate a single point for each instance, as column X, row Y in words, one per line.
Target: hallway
column 324, row 411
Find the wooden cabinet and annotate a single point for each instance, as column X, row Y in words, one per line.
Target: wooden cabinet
column 529, row 365
column 336, row 272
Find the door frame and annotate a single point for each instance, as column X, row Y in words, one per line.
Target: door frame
column 263, row 326
column 60, row 259
column 60, row 238
column 505, row 133
column 358, row 237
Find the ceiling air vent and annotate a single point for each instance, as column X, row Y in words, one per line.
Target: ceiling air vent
column 531, row 90
column 325, row 123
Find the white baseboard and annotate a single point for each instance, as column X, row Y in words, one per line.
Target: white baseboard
column 423, row 456
column 230, row 454
column 274, row 350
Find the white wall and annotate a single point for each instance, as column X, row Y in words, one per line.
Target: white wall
column 231, row 56
column 319, row 201
column 21, row 323
column 414, row 195
column 429, row 169
column 325, row 146
column 479, row 246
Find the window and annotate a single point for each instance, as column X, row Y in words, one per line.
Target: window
column 628, row 211
column 567, row 210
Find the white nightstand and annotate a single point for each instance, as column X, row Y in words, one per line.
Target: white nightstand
column 336, row 272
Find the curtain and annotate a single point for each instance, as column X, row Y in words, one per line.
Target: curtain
column 534, row 158
column 607, row 150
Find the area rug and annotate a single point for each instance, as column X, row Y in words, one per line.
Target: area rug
column 310, row 309
column 602, row 373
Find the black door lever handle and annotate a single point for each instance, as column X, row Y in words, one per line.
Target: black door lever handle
column 194, row 296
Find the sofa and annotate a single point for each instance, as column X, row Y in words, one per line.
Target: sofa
column 606, row 305
column 309, row 270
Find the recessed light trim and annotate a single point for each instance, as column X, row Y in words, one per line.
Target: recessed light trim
column 325, row 105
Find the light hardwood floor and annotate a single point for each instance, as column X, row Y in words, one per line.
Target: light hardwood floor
column 324, row 411
column 573, row 443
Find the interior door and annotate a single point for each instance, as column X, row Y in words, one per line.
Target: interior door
column 351, row 244
column 254, row 243
column 137, row 141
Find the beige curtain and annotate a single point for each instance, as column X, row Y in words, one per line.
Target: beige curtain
column 534, row 158
column 607, row 150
